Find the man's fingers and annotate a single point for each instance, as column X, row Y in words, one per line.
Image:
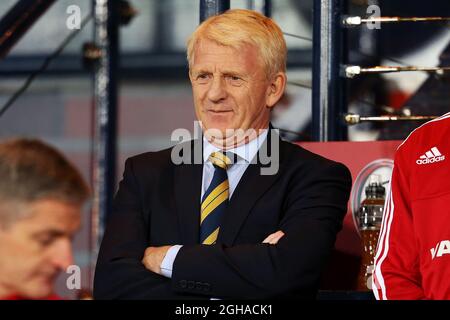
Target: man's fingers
column 153, row 257
column 268, row 239
column 145, row 260
column 274, row 237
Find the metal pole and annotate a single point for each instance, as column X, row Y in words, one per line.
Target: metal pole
column 328, row 94
column 268, row 8
column 163, row 18
column 16, row 22
column 105, row 103
column 263, row 6
column 210, row 8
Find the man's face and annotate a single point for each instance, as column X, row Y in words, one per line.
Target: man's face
column 36, row 248
column 230, row 87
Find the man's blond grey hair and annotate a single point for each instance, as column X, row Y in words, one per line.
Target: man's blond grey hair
column 238, row 27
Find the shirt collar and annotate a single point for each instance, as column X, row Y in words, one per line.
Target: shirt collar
column 246, row 151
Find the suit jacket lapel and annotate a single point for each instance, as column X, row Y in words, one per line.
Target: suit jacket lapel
column 250, row 188
column 187, row 185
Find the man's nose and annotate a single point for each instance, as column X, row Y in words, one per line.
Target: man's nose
column 62, row 256
column 217, row 90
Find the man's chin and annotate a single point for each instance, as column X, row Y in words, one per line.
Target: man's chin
column 223, row 139
column 229, row 138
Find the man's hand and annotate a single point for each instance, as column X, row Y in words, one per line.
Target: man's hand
column 274, row 237
column 153, row 257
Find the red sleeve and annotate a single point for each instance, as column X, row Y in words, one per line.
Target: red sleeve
column 16, row 297
column 397, row 274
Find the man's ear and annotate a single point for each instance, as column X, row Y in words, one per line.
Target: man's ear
column 276, row 89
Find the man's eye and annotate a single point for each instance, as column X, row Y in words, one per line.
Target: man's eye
column 235, row 80
column 202, row 76
column 44, row 242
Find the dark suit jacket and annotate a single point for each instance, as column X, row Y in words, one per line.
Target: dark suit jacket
column 158, row 203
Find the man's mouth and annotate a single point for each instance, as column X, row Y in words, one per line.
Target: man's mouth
column 50, row 276
column 219, row 111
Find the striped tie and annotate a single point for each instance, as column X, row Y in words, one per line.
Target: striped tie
column 215, row 199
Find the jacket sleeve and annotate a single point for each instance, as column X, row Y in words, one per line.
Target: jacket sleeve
column 397, row 274
column 120, row 273
column 314, row 208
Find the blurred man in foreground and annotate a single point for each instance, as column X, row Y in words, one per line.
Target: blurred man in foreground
column 41, row 196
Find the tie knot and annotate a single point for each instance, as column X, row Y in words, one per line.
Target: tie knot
column 221, row 160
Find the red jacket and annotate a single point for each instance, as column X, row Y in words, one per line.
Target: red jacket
column 413, row 254
column 15, row 297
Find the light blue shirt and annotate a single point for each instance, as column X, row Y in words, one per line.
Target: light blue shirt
column 245, row 154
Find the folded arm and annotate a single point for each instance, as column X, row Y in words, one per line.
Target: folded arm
column 120, row 273
column 313, row 213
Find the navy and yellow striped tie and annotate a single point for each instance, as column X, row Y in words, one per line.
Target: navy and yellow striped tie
column 215, row 199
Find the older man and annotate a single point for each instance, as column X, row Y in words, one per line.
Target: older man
column 41, row 195
column 222, row 226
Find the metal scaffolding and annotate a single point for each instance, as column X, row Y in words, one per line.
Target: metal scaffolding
column 18, row 20
column 210, row 8
column 106, row 17
column 328, row 92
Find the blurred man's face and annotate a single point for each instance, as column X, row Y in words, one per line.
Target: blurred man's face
column 33, row 250
column 230, row 88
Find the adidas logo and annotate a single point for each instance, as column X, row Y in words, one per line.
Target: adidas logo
column 431, row 156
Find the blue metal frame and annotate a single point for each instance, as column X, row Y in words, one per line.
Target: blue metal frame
column 106, row 37
column 148, row 65
column 16, row 22
column 268, row 8
column 329, row 88
column 210, row 8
